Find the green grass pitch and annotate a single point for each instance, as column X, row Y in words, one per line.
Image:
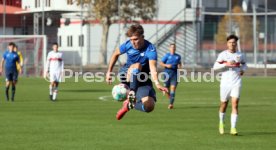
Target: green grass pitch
column 80, row 120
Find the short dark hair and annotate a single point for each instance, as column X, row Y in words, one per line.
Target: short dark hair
column 135, row 30
column 11, row 44
column 55, row 44
column 172, row 44
column 232, row 36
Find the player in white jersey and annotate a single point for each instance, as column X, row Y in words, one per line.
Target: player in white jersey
column 232, row 64
column 54, row 69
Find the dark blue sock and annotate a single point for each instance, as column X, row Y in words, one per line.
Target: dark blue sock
column 134, row 79
column 172, row 94
column 7, row 92
column 13, row 92
column 139, row 106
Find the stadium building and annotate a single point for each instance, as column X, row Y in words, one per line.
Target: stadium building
column 189, row 23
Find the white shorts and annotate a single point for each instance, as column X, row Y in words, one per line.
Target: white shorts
column 55, row 76
column 229, row 91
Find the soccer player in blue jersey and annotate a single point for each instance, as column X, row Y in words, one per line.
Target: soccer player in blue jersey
column 141, row 61
column 171, row 62
column 10, row 59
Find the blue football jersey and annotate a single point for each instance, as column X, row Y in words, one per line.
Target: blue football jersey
column 141, row 56
column 173, row 60
column 10, row 61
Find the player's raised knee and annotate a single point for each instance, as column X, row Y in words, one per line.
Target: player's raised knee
column 148, row 103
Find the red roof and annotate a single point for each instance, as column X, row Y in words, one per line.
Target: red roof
column 9, row 9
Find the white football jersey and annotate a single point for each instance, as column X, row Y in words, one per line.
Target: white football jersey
column 54, row 62
column 231, row 76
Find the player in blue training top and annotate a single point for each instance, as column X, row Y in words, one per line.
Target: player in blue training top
column 171, row 62
column 141, row 61
column 10, row 58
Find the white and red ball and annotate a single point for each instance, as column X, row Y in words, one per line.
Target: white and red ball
column 120, row 92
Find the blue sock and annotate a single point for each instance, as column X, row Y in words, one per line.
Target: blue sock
column 140, row 106
column 172, row 94
column 134, row 79
column 7, row 92
column 13, row 92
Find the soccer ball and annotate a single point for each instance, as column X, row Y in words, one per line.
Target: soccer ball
column 120, row 91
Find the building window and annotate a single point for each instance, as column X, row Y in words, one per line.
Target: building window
column 59, row 41
column 70, row 2
column 81, row 40
column 70, row 41
column 37, row 3
column 48, row 3
column 189, row 4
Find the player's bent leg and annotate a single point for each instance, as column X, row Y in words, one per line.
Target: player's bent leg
column 127, row 105
column 148, row 104
column 145, row 99
column 125, row 108
column 132, row 76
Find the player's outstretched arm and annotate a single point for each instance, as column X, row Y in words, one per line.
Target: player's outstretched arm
column 112, row 62
column 154, row 75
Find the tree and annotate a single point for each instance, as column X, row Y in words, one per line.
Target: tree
column 106, row 11
column 243, row 23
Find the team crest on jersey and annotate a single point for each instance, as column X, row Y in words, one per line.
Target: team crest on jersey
column 142, row 54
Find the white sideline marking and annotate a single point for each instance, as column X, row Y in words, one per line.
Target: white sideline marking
column 105, row 98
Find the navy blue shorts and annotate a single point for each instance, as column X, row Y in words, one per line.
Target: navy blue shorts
column 144, row 91
column 11, row 76
column 171, row 79
column 144, row 88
